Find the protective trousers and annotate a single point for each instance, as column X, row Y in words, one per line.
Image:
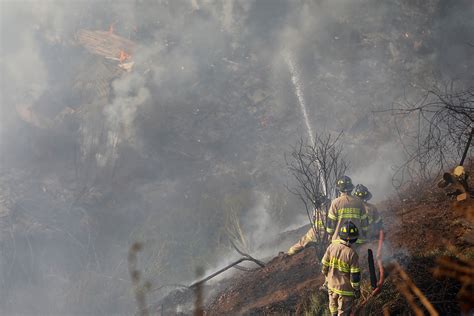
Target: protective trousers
column 339, row 304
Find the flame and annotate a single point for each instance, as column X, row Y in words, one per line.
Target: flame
column 123, row 56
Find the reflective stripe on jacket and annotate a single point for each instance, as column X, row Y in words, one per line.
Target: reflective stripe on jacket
column 306, row 239
column 374, row 220
column 340, row 265
column 344, row 208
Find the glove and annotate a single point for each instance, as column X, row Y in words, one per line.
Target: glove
column 357, row 294
column 324, row 287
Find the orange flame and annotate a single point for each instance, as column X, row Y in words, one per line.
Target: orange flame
column 123, row 56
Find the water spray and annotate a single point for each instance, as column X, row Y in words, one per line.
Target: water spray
column 295, row 79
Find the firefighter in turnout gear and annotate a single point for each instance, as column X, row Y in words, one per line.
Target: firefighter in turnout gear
column 307, row 239
column 347, row 208
column 340, row 265
column 373, row 216
column 317, row 230
column 456, row 183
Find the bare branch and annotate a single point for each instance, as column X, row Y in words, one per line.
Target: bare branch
column 433, row 132
column 316, row 167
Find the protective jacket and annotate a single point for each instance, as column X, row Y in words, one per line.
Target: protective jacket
column 374, row 220
column 347, row 208
column 340, row 265
column 309, row 237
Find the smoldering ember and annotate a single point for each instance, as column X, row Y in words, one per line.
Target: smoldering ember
column 237, row 157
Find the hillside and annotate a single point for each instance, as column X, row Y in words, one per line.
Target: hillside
column 173, row 125
column 421, row 226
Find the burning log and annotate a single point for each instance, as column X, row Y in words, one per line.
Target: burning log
column 106, row 44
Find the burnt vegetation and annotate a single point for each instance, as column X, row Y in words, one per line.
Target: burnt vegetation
column 315, row 168
column 163, row 125
column 441, row 127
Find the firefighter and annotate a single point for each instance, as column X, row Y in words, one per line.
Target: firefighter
column 346, row 207
column 456, row 183
column 313, row 233
column 340, row 265
column 310, row 237
column 374, row 220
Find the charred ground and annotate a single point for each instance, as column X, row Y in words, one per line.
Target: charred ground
column 422, row 224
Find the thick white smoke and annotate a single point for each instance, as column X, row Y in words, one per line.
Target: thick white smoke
column 199, row 125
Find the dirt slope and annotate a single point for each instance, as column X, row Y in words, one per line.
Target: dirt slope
column 280, row 287
column 420, row 223
column 424, row 219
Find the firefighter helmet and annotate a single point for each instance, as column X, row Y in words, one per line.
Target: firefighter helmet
column 362, row 192
column 344, row 184
column 349, row 232
column 459, row 172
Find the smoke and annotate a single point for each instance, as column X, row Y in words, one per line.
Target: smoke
column 129, row 93
column 259, row 223
column 377, row 177
column 199, row 125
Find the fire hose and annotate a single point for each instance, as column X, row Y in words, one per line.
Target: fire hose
column 245, row 257
column 234, row 264
column 377, row 286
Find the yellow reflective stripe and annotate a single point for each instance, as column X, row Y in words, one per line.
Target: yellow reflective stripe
column 358, row 241
column 355, row 285
column 331, row 216
column 349, row 213
column 325, row 263
column 330, row 230
column 341, row 292
column 339, row 265
column 372, row 220
column 349, row 210
column 355, row 269
column 350, row 216
column 319, row 225
column 333, row 309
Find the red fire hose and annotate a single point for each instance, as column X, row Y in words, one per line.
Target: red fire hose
column 379, row 262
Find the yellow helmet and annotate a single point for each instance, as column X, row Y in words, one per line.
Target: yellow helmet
column 459, row 172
